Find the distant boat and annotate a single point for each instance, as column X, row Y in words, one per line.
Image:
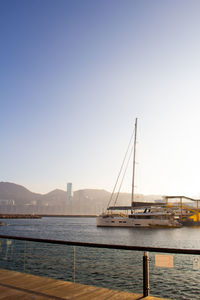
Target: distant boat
column 151, row 217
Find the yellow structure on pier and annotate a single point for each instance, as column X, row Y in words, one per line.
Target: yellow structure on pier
column 183, row 211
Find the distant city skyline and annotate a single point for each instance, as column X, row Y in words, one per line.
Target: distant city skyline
column 75, row 75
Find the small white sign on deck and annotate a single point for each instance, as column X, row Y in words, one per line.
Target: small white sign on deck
column 164, row 261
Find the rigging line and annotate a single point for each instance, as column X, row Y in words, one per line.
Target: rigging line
column 120, row 169
column 123, row 176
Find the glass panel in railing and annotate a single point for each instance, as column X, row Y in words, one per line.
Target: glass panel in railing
column 175, row 276
column 49, row 260
column 43, row 259
column 110, row 268
column 12, row 254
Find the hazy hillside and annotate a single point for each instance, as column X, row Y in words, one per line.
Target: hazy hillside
column 56, row 197
column 15, row 198
column 17, row 193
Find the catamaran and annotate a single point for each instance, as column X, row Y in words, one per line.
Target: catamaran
column 144, row 216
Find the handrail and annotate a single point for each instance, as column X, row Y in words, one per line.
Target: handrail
column 108, row 246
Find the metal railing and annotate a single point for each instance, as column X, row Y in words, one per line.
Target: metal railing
column 107, row 246
column 143, row 249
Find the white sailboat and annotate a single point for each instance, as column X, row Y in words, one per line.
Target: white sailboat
column 138, row 217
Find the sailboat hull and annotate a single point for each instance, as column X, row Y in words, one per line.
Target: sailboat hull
column 118, row 221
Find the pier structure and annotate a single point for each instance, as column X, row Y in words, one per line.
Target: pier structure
column 185, row 209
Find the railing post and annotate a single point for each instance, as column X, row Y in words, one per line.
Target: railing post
column 146, row 287
column 24, row 256
column 74, row 273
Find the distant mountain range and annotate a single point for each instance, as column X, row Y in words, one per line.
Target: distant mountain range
column 12, row 191
column 21, row 195
column 18, row 199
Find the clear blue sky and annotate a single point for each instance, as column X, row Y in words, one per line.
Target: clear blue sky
column 74, row 75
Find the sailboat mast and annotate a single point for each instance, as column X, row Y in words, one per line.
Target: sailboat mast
column 133, row 176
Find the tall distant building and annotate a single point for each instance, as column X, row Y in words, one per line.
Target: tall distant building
column 69, row 191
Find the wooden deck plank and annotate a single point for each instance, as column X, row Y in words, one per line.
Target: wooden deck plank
column 68, row 291
column 22, row 283
column 34, row 283
column 105, row 294
column 5, row 275
column 39, row 285
column 5, row 292
column 125, row 296
column 15, row 285
column 9, row 294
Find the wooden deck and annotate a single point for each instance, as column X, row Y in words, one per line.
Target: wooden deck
column 15, row 285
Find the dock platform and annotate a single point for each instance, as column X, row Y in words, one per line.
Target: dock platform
column 15, row 285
